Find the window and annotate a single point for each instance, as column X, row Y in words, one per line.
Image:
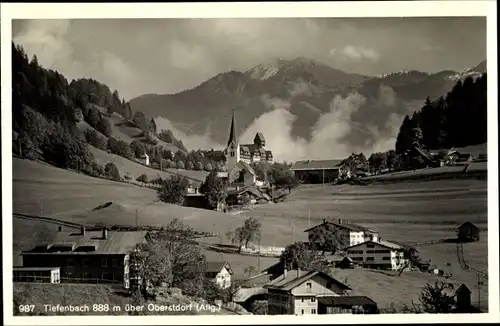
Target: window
column 85, row 262
column 357, row 258
column 302, row 311
column 86, row 276
column 370, row 258
column 386, row 258
column 104, row 262
column 69, row 262
column 309, row 285
column 355, row 252
column 232, row 154
column 68, row 275
column 313, row 299
column 382, row 251
column 370, row 245
column 302, row 299
column 115, row 262
column 125, row 275
column 313, row 311
column 107, row 277
column 370, row 251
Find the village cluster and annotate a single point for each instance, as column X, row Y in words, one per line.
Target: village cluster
column 103, row 256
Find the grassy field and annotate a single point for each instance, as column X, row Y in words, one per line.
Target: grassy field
column 404, row 212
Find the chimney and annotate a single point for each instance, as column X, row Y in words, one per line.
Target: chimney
column 285, row 272
column 298, row 272
column 104, row 233
column 82, row 230
column 324, row 220
column 59, row 228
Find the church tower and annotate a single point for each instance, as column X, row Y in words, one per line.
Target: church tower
column 233, row 148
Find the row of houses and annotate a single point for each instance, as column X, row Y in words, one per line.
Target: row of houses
column 101, row 256
column 300, row 292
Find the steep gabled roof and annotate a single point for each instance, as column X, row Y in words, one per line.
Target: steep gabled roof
column 247, row 167
column 216, row 266
column 117, row 242
column 260, row 137
column 383, row 243
column 295, row 278
column 232, row 133
column 343, row 225
column 468, row 224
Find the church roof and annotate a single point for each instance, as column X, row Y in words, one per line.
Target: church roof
column 260, row 136
column 232, row 133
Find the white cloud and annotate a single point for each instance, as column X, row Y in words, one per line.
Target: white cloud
column 351, row 52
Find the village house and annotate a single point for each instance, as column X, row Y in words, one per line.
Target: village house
column 220, row 273
column 377, row 254
column 461, row 296
column 36, row 274
column 244, row 195
column 468, row 232
column 349, row 234
column 296, row 292
column 247, row 153
column 88, row 256
column 242, row 174
column 145, row 159
column 316, row 171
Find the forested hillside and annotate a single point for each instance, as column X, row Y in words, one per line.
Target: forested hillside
column 457, row 120
column 54, row 120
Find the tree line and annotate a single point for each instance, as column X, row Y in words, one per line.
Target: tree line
column 46, row 109
column 458, row 119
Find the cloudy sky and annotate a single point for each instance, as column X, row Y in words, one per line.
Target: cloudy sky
column 162, row 56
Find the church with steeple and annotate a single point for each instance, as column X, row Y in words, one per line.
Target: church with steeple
column 247, row 153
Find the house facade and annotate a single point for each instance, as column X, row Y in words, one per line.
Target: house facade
column 220, row 273
column 377, row 254
column 248, row 153
column 88, row 256
column 349, row 234
column 296, row 292
column 36, row 274
column 242, row 174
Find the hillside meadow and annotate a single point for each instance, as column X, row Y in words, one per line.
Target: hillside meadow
column 402, row 212
column 135, row 169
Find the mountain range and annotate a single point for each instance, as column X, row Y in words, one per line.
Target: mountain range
column 307, row 89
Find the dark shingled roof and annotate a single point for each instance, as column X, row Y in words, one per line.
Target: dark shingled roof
column 346, row 301
column 316, row 165
column 216, row 266
column 344, row 225
column 117, row 242
column 296, row 277
column 260, row 136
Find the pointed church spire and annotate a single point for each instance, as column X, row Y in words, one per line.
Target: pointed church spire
column 232, row 132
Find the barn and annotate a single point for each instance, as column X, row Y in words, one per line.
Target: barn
column 316, row 171
column 468, row 232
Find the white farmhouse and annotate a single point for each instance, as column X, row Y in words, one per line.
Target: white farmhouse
column 350, row 234
column 296, row 292
column 377, row 254
column 220, row 273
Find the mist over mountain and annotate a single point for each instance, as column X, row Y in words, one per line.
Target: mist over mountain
column 304, row 108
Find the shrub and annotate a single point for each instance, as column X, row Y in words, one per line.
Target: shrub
column 112, row 172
